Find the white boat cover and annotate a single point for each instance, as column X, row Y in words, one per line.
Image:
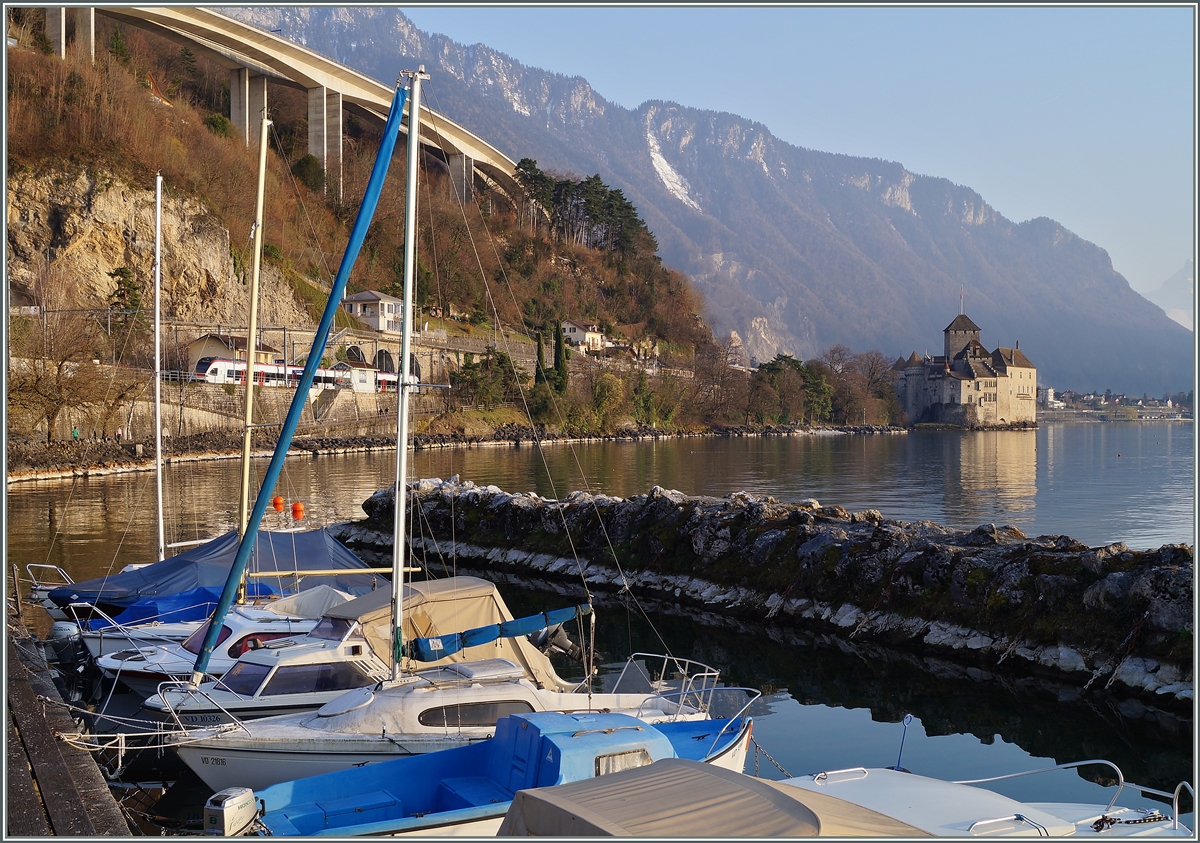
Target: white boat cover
column 680, row 798
column 310, row 603
column 440, row 607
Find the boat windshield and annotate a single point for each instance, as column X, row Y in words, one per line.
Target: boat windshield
column 332, row 629
column 244, row 678
column 195, row 641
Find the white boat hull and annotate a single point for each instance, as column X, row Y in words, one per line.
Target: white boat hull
column 237, row 760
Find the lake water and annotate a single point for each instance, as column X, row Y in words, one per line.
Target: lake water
column 824, row 708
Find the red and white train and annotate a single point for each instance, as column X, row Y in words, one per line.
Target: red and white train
column 221, row 370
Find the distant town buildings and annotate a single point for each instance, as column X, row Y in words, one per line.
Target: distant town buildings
column 967, row 384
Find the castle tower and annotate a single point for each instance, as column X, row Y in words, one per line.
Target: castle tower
column 958, row 335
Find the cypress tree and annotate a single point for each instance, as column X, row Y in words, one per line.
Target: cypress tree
column 560, row 360
column 539, row 374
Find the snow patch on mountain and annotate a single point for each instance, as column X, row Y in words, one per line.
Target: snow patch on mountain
column 671, row 179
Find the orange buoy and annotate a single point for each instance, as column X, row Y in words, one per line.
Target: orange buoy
column 298, row 510
column 277, row 503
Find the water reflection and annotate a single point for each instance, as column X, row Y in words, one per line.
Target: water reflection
column 831, row 704
column 992, row 475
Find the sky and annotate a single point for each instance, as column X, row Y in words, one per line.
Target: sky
column 1086, row 115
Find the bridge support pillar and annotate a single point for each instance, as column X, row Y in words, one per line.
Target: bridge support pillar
column 325, row 135
column 85, row 33
column 256, row 104
column 462, row 169
column 56, row 30
column 247, row 99
column 239, row 102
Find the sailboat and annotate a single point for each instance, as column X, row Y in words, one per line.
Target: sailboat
column 424, row 710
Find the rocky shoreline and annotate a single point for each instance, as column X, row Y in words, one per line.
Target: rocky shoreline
column 1101, row 620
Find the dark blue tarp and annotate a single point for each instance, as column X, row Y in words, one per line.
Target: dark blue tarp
column 208, row 565
column 195, row 604
column 432, row 649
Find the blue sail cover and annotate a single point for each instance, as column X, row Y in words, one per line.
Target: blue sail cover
column 208, row 566
column 432, row 649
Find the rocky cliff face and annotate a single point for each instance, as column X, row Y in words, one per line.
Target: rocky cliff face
column 85, row 225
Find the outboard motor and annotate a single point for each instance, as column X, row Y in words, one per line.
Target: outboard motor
column 554, row 639
column 230, row 812
column 63, row 646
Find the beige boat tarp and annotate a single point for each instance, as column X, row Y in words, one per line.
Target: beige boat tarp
column 441, row 607
column 680, row 798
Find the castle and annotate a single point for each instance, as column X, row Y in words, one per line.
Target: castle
column 968, row 385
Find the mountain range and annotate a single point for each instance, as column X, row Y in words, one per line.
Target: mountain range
column 1177, row 295
column 794, row 249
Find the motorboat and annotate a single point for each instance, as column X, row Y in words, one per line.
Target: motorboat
column 348, row 648
column 433, row 710
column 707, row 801
column 143, row 669
column 467, row 791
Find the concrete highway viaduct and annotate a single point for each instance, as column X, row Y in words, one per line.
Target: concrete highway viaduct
column 255, row 57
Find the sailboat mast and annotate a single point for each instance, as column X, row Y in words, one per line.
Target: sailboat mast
column 251, row 343
column 404, row 380
column 353, row 246
column 162, row 542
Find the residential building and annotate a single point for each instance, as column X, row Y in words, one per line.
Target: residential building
column 580, row 335
column 378, row 310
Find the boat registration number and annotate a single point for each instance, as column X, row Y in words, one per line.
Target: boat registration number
column 215, row 762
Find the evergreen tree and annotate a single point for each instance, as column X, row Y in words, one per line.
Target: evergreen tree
column 539, row 374
column 560, row 360
column 118, row 48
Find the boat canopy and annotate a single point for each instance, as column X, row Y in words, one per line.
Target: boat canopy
column 442, row 607
column 676, row 797
column 208, row 566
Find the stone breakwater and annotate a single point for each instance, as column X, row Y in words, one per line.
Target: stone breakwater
column 1105, row 619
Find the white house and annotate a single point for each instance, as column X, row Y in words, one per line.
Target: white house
column 380, row 311
column 583, row 336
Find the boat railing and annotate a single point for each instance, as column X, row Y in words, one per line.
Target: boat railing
column 117, row 629
column 735, row 722
column 186, row 689
column 697, row 681
column 63, row 578
column 847, row 775
column 1121, row 783
column 1012, row 822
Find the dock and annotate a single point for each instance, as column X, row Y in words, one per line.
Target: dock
column 53, row 789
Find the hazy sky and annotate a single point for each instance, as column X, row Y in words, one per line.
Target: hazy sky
column 1084, row 115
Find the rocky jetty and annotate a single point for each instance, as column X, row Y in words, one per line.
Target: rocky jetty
column 1106, row 618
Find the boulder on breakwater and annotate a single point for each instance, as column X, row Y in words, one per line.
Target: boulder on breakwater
column 1105, row 618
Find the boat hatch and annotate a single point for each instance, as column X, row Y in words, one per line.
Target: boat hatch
column 347, row 702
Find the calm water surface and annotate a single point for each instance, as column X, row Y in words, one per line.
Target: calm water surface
column 824, row 709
